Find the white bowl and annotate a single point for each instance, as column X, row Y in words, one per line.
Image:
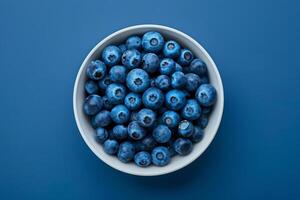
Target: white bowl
column 177, row 162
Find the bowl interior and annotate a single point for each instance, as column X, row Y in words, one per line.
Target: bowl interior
column 177, row 162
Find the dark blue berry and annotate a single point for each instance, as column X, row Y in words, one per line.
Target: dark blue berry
column 137, row 80
column 92, row 104
column 163, row 82
column 171, row 49
column 142, row 159
column 116, row 93
column 101, row 134
column 185, row 57
column 111, row 146
column 91, row 87
column 146, row 117
column 150, row 62
column 102, row 119
column 135, row 131
column 167, row 66
column 117, row 74
column 134, row 42
column 152, row 41
column 192, row 110
column 160, row 156
column 185, row 128
column 183, row 146
column 126, row 152
column 131, row 58
column 175, row 99
column 96, row 70
column 206, row 95
column 133, row 101
column 153, row 98
column 162, row 134
column 120, row 114
column 171, row 118
column 178, row 80
column 111, row 55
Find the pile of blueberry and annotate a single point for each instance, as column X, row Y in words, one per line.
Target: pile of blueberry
column 148, row 99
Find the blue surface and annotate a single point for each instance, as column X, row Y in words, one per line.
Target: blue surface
column 255, row 44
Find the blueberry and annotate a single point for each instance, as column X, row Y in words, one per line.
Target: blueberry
column 152, row 82
column 131, row 58
column 162, row 110
column 163, row 82
column 104, row 83
column 185, row 57
column 178, row 68
column 102, row 119
column 111, row 55
column 91, row 87
column 119, row 132
column 167, row 66
column 162, row 134
column 133, row 101
column 148, row 143
column 171, row 49
column 126, row 152
column 96, row 70
column 117, row 74
column 192, row 110
column 135, row 131
column 134, row 42
column 183, row 146
column 160, row 156
column 175, row 99
column 146, row 117
column 123, row 48
column 193, row 81
column 150, row 62
column 171, row 118
column 198, row 67
column 202, row 121
column 111, row 146
column 142, row 159
column 152, row 41
column 106, row 103
column 137, row 80
column 197, row 134
column 101, row 134
column 115, row 92
column 133, row 116
column 170, row 147
column 206, row 110
column 92, row 104
column 185, row 128
column 120, row 114
column 153, row 98
column 206, row 95
column 178, row 80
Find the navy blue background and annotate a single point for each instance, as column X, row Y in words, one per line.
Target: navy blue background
column 255, row 45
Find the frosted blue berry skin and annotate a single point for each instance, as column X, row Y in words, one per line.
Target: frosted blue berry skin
column 104, row 83
column 152, row 41
column 111, row 146
column 150, row 62
column 153, row 98
column 162, row 134
column 191, row 110
column 135, row 131
column 133, row 101
column 175, row 99
column 183, row 146
column 193, row 82
column 134, row 42
column 119, row 132
column 171, row 118
column 163, row 82
column 206, row 95
column 148, row 143
column 171, row 49
column 178, row 68
column 92, row 104
column 178, row 80
column 137, row 80
column 197, row 134
column 126, row 152
column 120, row 114
column 133, row 116
column 185, row 128
column 185, row 57
column 142, row 159
column 160, row 156
column 198, row 67
column 146, row 117
column 102, row 119
column 91, row 87
column 202, row 121
column 111, row 55
column 167, row 66
column 123, row 48
column 101, row 134
column 116, row 93
column 96, row 70
column 131, row 58
column 106, row 103
column 117, row 74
